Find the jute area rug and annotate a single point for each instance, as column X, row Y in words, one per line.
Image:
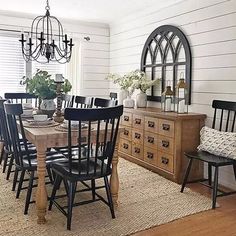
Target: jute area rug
column 146, row 200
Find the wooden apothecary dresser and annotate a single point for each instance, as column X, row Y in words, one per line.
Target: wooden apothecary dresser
column 157, row 140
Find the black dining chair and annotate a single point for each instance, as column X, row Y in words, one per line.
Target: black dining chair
column 222, row 113
column 25, row 159
column 104, row 122
column 103, row 102
column 6, row 154
column 113, row 96
column 22, row 98
column 83, row 102
column 67, row 100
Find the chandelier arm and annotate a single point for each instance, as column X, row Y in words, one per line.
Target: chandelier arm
column 60, row 31
column 36, row 30
column 32, row 26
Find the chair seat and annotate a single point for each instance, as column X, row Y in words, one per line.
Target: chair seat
column 74, row 175
column 210, row 158
column 51, row 157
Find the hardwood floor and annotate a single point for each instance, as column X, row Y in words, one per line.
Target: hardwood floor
column 221, row 221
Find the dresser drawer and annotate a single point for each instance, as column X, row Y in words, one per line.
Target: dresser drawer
column 126, row 133
column 165, row 144
column 126, row 119
column 151, row 124
column 150, row 140
column 138, row 122
column 137, row 151
column 150, row 155
column 165, row 162
column 125, row 146
column 166, row 127
column 137, row 136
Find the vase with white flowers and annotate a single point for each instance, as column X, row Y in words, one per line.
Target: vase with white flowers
column 124, row 83
column 143, row 84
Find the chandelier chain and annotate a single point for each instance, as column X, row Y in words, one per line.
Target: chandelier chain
column 47, row 5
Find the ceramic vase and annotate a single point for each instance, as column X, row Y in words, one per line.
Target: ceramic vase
column 128, row 102
column 122, row 95
column 141, row 99
column 48, row 107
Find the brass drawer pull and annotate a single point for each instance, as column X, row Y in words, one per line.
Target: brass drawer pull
column 137, row 121
column 137, row 150
column 137, row 135
column 150, row 139
column 165, row 143
column 151, row 124
column 166, row 127
column 149, row 155
column 126, row 132
column 164, row 160
column 125, row 146
column 126, row 118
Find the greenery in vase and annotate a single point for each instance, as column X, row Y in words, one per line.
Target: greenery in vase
column 123, row 81
column 133, row 80
column 144, row 83
column 43, row 86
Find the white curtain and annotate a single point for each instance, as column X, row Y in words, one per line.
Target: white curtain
column 73, row 71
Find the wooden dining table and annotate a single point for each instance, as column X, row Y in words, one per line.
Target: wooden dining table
column 49, row 137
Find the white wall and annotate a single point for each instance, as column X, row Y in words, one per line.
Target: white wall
column 210, row 26
column 95, row 53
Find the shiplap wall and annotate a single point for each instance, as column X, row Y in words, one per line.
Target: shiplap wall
column 94, row 53
column 210, row 26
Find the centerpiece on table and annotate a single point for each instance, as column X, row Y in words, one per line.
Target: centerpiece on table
column 44, row 87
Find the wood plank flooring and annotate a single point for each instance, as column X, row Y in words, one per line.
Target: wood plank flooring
column 221, row 221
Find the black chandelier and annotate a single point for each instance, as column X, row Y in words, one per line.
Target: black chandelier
column 46, row 43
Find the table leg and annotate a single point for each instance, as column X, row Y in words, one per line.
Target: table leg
column 41, row 194
column 114, row 181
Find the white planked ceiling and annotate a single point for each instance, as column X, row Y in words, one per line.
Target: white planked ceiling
column 104, row 11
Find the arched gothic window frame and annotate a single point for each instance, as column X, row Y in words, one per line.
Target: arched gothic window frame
column 162, row 32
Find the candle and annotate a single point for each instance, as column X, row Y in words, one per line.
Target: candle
column 168, row 104
column 59, row 78
column 181, row 106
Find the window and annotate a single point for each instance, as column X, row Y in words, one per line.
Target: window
column 52, row 67
column 12, row 65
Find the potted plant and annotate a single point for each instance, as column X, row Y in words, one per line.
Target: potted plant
column 42, row 86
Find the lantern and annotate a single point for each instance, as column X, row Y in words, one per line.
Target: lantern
column 181, row 97
column 167, row 99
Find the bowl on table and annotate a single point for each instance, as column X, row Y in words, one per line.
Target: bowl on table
column 27, row 112
column 27, row 106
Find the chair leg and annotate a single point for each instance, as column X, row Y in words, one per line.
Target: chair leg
column 22, row 175
column 29, row 192
column 109, row 197
column 56, row 186
column 186, row 175
column 2, row 153
column 15, row 179
column 93, row 188
column 234, row 167
column 209, row 173
column 10, row 167
column 50, row 174
column 71, row 196
column 215, row 187
column 5, row 159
